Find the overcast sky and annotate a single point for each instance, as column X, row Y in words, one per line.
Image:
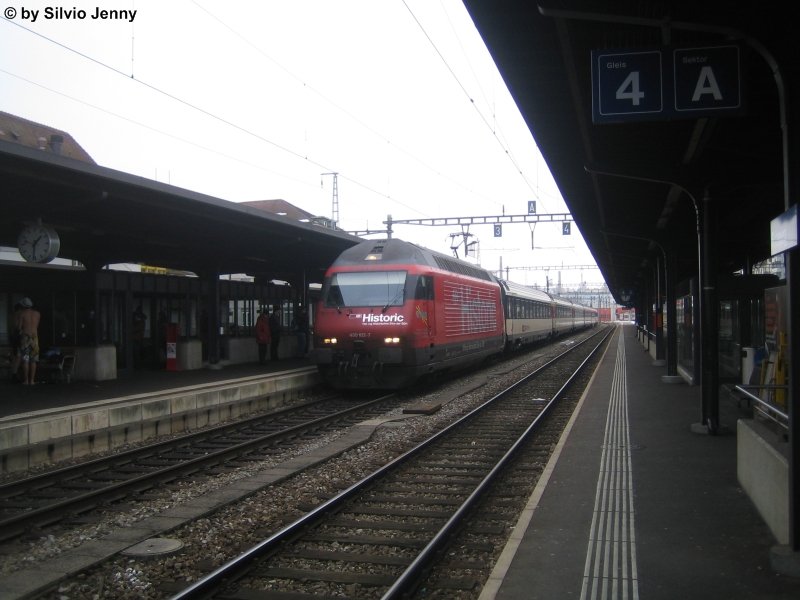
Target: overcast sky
column 253, row 100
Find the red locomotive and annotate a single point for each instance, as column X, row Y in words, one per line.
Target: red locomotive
column 392, row 312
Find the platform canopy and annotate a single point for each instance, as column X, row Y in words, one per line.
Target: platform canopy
column 103, row 216
column 642, row 109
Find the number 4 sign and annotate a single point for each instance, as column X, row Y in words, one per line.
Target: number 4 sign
column 631, row 84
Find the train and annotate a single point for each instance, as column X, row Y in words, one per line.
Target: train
column 391, row 313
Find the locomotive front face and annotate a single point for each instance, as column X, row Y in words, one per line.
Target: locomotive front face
column 364, row 328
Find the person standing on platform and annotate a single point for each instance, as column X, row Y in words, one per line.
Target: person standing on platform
column 275, row 332
column 139, row 323
column 29, row 340
column 262, row 335
column 300, row 327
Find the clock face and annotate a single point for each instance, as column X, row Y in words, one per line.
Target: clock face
column 38, row 243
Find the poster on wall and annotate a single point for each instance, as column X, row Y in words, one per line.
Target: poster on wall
column 776, row 340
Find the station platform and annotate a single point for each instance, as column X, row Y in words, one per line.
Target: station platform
column 50, row 422
column 16, row 398
column 637, row 504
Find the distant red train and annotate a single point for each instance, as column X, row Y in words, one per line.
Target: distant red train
column 391, row 312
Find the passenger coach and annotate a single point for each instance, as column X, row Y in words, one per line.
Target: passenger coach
column 528, row 314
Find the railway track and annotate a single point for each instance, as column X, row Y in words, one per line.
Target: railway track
column 382, row 536
column 40, row 501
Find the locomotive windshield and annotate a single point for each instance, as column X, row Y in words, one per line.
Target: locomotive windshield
column 366, row 288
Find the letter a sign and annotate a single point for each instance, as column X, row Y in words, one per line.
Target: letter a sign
column 707, row 79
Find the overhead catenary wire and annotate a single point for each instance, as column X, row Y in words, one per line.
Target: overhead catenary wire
column 170, row 95
column 471, row 100
column 312, row 89
column 207, row 113
column 495, row 125
column 234, row 125
column 212, row 150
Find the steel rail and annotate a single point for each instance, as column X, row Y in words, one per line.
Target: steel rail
column 411, row 576
column 234, row 568
column 12, row 488
column 51, row 513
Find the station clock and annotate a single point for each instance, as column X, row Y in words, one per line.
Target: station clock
column 38, row 243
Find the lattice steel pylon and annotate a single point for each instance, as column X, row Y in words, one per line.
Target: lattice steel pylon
column 335, row 200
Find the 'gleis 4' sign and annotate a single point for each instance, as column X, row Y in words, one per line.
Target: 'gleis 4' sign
column 665, row 83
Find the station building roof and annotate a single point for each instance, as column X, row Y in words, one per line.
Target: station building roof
column 104, row 216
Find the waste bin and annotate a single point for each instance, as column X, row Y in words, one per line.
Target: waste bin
column 748, row 364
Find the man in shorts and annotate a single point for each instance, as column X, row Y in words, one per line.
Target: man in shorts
column 29, row 340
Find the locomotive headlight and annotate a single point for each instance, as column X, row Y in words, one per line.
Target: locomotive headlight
column 330, row 340
column 391, row 340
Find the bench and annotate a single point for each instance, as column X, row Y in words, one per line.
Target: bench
column 56, row 369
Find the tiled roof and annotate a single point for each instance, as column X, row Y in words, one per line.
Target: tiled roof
column 46, row 138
